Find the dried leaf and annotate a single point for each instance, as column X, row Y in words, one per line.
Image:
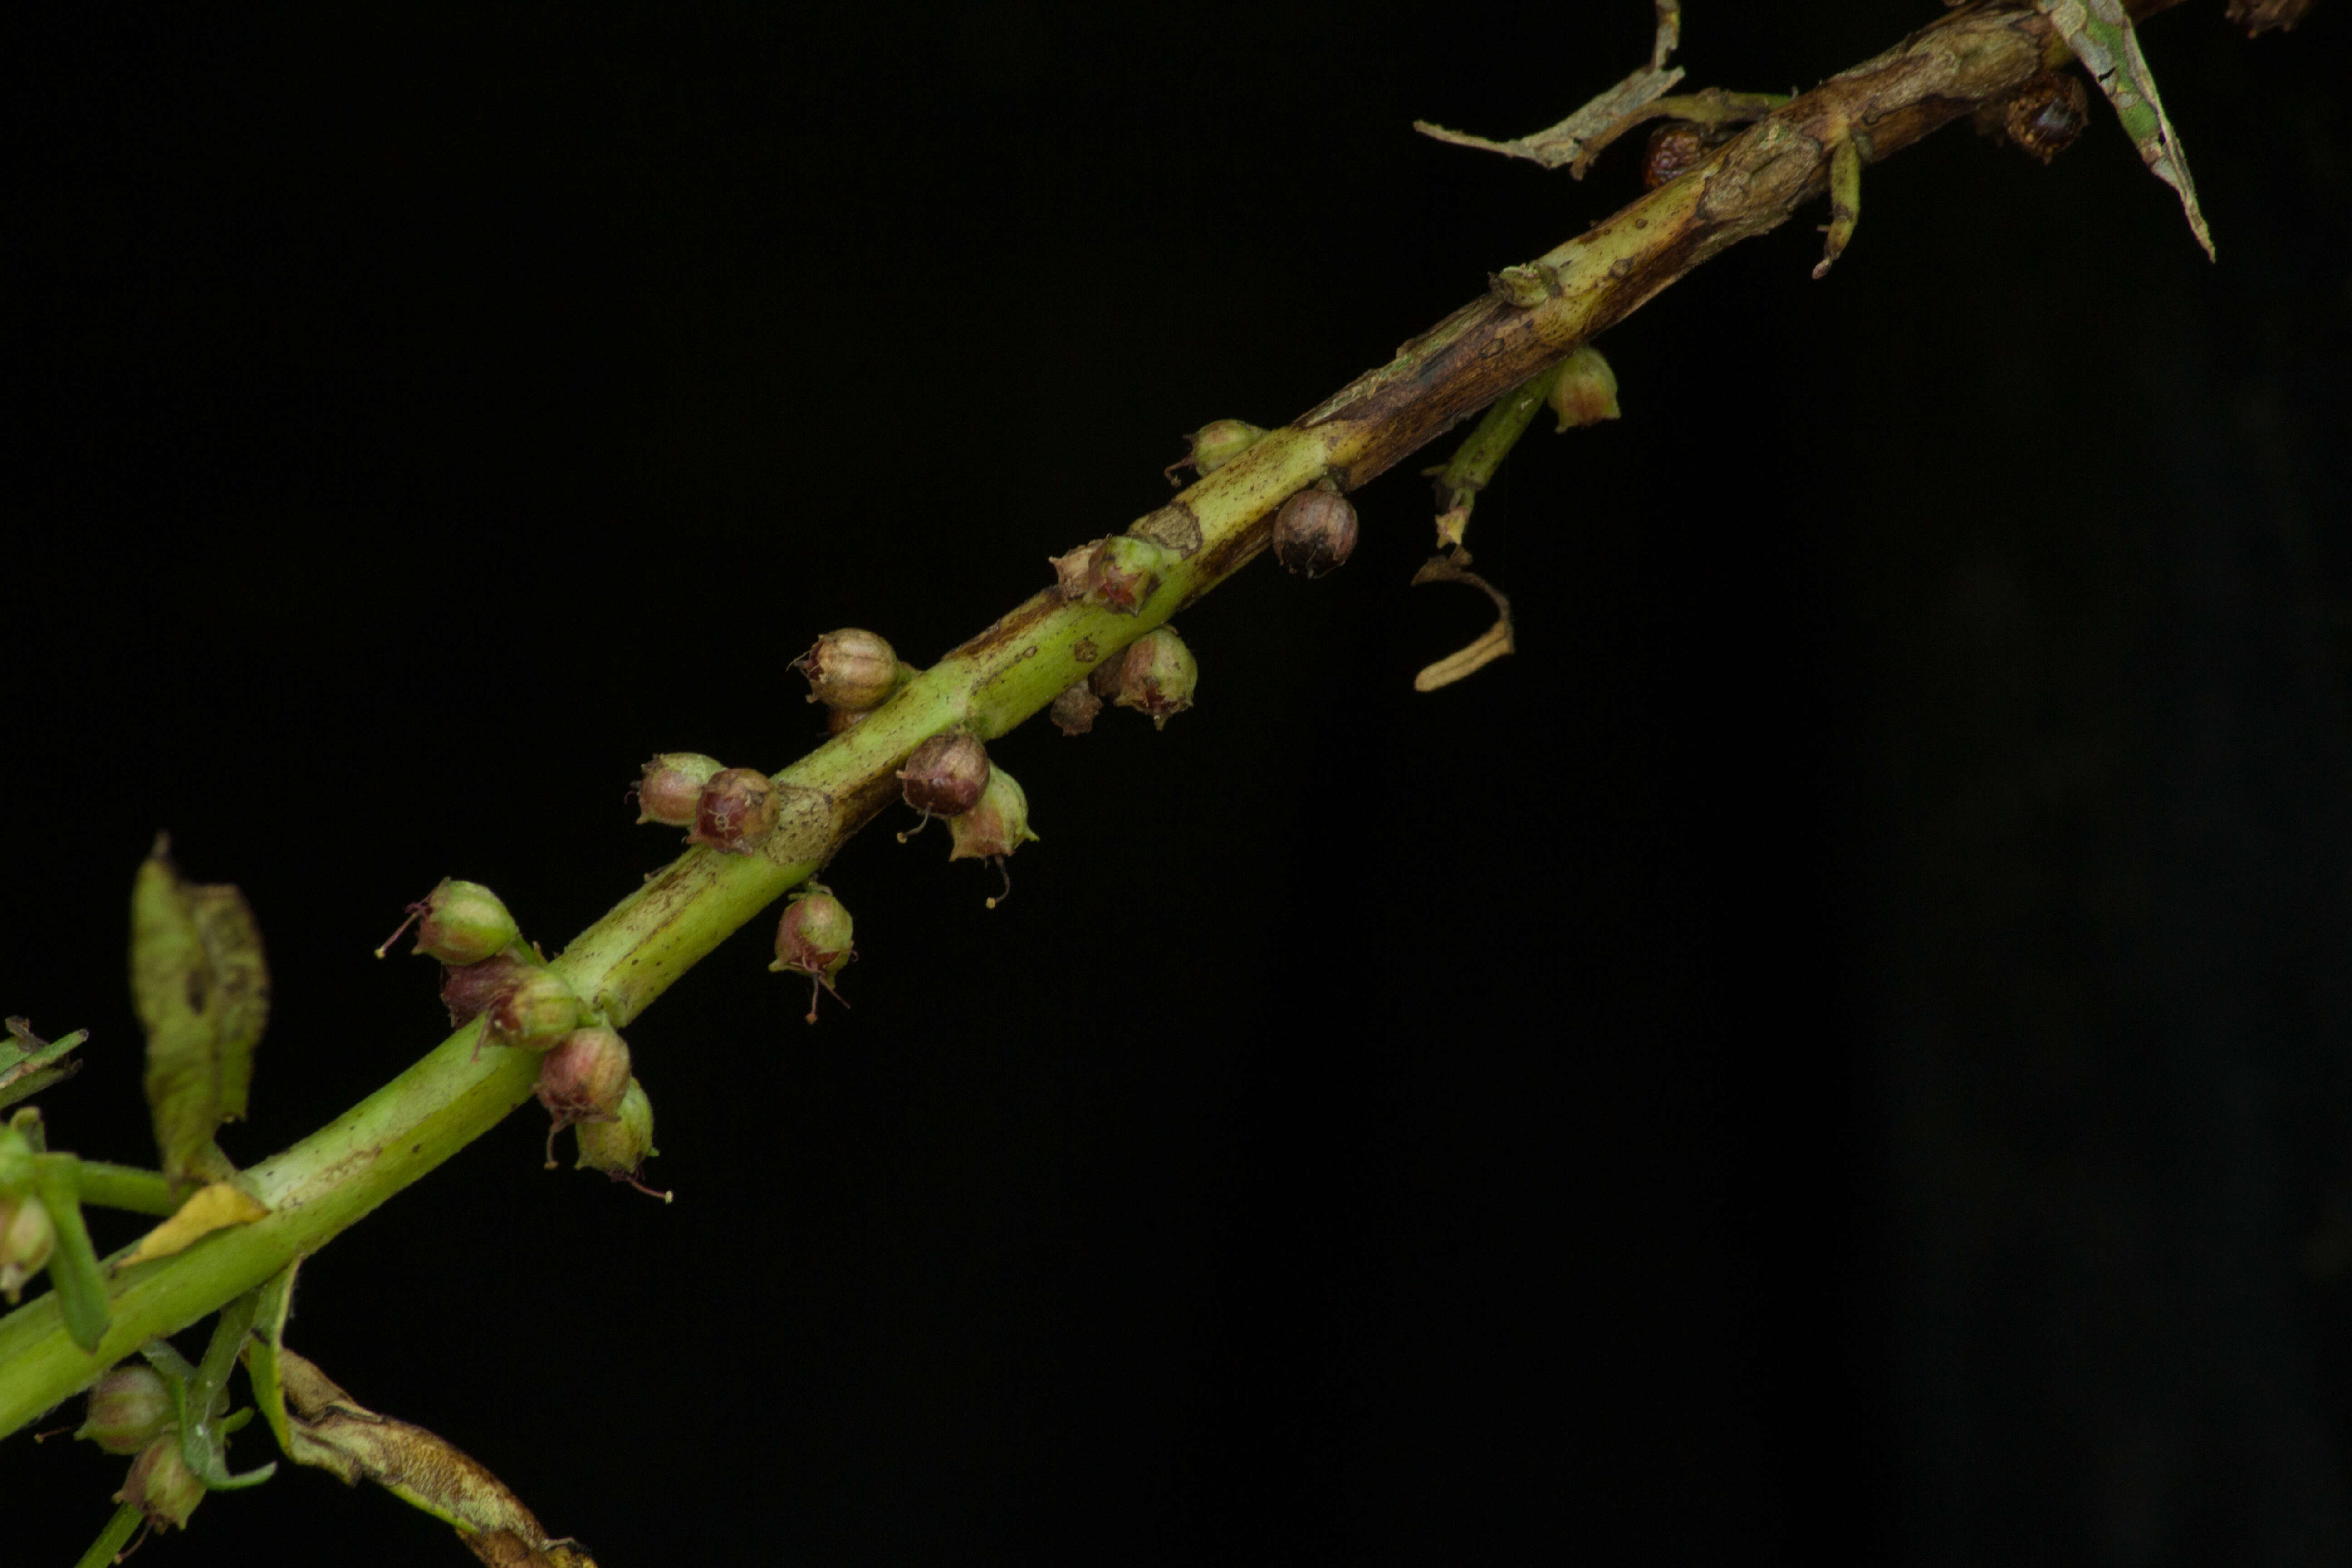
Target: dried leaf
column 334, row 1432
column 208, row 1209
column 1562, row 143
column 1490, row 645
column 202, row 987
column 30, row 1064
column 2100, row 33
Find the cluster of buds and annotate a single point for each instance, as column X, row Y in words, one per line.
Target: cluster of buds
column 521, row 1004
column 1120, row 573
column 728, row 810
column 1215, row 445
column 130, row 1412
column 850, row 670
column 815, row 937
column 949, row 775
column 1314, row 532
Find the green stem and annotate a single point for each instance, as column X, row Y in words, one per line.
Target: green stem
column 623, row 962
column 1474, row 465
column 126, row 1187
column 111, row 1540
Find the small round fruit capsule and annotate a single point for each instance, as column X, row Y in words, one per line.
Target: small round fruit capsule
column 1586, row 392
column 1676, row 148
column 738, row 811
column 161, row 1485
column 1314, row 532
column 583, row 1080
column 621, row 1147
column 1156, row 675
column 533, row 1013
column 469, row 988
column 815, row 937
column 1073, row 710
column 458, row 923
column 943, row 776
column 849, row 668
column 130, row 1407
column 671, row 789
column 994, row 827
column 1120, row 573
column 27, row 1234
column 2046, row 117
column 1215, row 444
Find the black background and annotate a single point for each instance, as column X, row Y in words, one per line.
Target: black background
column 1836, row 1052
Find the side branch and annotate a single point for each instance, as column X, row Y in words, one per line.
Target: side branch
column 1978, row 55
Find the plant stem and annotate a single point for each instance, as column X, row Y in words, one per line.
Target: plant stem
column 126, row 1187
column 1020, row 662
column 109, row 1540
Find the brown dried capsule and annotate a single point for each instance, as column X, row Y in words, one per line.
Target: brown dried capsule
column 469, row 988
column 944, row 776
column 1676, row 148
column 849, row 668
column 737, row 810
column 1073, row 710
column 2046, row 116
column 1314, row 532
column 583, row 1080
column 1156, row 675
column 672, row 787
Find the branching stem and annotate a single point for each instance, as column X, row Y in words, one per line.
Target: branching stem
column 1755, row 182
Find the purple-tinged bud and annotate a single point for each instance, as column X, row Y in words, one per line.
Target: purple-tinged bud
column 738, row 811
column 161, row 1485
column 1586, row 392
column 1314, row 532
column 130, row 1407
column 1073, row 710
column 533, row 1013
column 815, row 937
column 944, row 775
column 850, row 669
column 1215, row 445
column 671, row 790
column 583, row 1080
column 469, row 988
column 1120, row 573
column 621, row 1147
column 27, row 1234
column 1156, row 675
column 458, row 923
column 994, row 827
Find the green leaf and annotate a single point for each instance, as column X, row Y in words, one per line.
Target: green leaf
column 30, row 1064
column 273, row 1301
column 202, row 987
column 2100, row 33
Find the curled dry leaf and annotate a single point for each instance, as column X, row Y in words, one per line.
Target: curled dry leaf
column 327, row 1428
column 1490, row 645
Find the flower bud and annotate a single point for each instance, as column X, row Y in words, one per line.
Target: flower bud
column 161, row 1485
column 814, row 939
column 130, row 1407
column 1156, row 675
column 583, row 1080
column 1073, row 710
column 1586, row 392
column 1314, row 532
column 469, row 988
column 1120, row 573
column 458, row 923
column 994, row 827
column 533, row 1013
column 1215, row 444
column 849, row 668
column 738, row 811
column 621, row 1147
column 672, row 787
column 945, row 775
column 26, row 1237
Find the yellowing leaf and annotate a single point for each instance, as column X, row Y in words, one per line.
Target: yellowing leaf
column 202, row 991
column 208, row 1209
